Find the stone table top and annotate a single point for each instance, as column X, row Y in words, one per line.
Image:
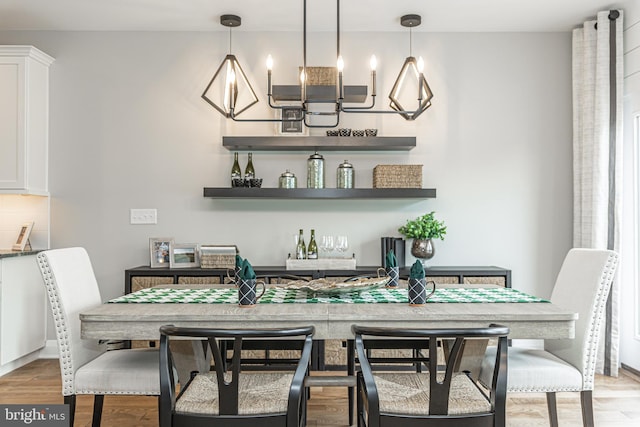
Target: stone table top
column 332, row 321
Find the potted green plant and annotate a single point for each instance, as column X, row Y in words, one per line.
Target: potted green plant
column 423, row 230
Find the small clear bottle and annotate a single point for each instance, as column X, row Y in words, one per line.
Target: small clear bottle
column 301, row 249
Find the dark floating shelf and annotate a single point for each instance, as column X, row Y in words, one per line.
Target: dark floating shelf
column 324, row 193
column 319, row 143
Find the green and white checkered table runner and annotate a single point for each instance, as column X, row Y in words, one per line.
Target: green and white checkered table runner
column 277, row 296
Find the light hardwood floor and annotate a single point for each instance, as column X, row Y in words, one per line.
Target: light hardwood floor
column 616, row 402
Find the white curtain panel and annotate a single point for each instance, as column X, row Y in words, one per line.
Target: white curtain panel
column 597, row 155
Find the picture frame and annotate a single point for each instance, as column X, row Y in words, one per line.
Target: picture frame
column 160, row 251
column 184, row 255
column 290, row 128
column 22, row 242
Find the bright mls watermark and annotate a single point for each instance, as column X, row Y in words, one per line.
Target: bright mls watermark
column 34, row 415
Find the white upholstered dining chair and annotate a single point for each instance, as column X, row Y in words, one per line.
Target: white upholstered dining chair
column 567, row 365
column 85, row 365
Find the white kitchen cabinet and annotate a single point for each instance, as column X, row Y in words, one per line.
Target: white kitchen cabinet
column 24, row 120
column 23, row 308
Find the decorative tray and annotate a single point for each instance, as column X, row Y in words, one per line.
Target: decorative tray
column 321, row 264
column 332, row 287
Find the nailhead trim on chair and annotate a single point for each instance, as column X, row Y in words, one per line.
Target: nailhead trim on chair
column 542, row 390
column 596, row 318
column 59, row 319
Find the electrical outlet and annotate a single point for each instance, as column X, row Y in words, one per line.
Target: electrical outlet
column 143, row 216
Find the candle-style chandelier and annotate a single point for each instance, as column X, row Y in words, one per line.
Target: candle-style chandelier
column 230, row 92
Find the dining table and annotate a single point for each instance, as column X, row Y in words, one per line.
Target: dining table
column 139, row 316
column 141, row 319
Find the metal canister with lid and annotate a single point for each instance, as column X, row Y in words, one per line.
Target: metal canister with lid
column 345, row 177
column 315, row 171
column 287, row 180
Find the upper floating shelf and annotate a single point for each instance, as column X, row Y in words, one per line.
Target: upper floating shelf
column 319, row 143
column 318, row 93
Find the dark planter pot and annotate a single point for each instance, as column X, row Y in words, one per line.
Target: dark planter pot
column 423, row 248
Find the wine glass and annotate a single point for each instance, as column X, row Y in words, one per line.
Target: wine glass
column 342, row 244
column 326, row 245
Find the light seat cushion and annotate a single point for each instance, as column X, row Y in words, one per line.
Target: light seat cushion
column 408, row 393
column 121, row 372
column 258, row 393
column 531, row 370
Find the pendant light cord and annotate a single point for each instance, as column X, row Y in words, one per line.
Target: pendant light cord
column 229, row 40
column 304, row 37
column 410, row 41
column 338, row 27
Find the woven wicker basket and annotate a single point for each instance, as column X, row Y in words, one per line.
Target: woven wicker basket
column 324, row 76
column 397, row 176
column 218, row 261
column 213, row 256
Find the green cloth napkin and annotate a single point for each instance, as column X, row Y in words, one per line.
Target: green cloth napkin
column 391, row 259
column 246, row 272
column 417, row 271
column 239, row 261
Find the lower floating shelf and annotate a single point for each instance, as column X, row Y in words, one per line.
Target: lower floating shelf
column 322, row 193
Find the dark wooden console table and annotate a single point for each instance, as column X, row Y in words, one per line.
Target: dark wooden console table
column 145, row 276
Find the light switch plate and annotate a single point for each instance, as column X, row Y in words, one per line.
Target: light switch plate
column 143, row 216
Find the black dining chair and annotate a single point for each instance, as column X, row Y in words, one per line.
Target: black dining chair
column 441, row 395
column 265, row 354
column 226, row 395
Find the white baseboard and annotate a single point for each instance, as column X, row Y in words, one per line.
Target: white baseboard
column 15, row 364
column 50, row 350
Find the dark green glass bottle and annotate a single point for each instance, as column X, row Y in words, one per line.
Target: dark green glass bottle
column 249, row 172
column 236, row 172
column 312, row 251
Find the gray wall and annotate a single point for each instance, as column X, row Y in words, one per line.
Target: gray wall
column 129, row 130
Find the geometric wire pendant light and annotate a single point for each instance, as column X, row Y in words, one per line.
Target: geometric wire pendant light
column 230, row 92
column 412, row 85
column 411, row 79
column 229, row 89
